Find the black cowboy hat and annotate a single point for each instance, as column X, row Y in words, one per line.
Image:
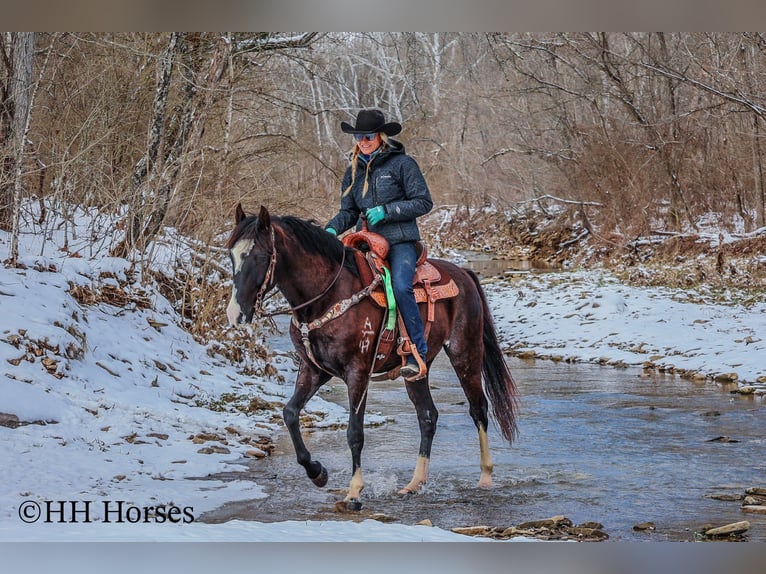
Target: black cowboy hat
column 371, row 121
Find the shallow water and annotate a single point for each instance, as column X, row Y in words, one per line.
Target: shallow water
column 595, row 444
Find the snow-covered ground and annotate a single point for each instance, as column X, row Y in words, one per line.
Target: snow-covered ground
column 592, row 317
column 116, row 407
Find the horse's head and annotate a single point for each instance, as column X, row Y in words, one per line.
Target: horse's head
column 251, row 249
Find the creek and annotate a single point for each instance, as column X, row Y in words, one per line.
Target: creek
column 596, row 443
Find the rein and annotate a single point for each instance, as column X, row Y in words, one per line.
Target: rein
column 265, row 287
column 331, row 314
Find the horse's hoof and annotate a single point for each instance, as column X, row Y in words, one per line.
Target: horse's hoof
column 321, row 479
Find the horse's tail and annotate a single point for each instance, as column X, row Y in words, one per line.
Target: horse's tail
column 498, row 382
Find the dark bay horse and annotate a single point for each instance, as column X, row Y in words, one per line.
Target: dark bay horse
column 334, row 324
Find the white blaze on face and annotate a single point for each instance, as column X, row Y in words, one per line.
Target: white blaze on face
column 238, row 254
column 240, row 251
column 233, row 311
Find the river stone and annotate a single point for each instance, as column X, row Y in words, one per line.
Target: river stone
column 756, row 491
column 592, row 524
column 9, row 420
column 215, row 449
column 472, row 530
column 644, row 526
column 726, row 497
column 381, row 517
column 729, row 529
column 726, row 377
column 512, row 531
column 424, row 522
column 552, row 522
column 754, row 509
column 722, row 439
column 592, row 534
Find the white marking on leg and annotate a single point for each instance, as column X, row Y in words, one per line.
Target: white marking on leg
column 356, row 486
column 419, row 477
column 485, row 481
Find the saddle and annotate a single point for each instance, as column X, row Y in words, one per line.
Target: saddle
column 430, row 284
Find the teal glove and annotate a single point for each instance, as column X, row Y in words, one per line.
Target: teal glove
column 331, row 231
column 376, row 214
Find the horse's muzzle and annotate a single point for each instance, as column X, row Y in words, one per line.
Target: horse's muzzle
column 235, row 314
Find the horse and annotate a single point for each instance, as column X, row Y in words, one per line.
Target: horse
column 334, row 321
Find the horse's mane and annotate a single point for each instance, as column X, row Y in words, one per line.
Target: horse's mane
column 313, row 238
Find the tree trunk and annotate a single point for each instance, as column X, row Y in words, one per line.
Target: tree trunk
column 148, row 169
column 18, row 57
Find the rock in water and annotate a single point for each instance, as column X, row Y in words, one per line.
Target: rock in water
column 733, row 529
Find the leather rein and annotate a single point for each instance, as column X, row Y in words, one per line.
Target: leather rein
column 266, row 287
column 331, row 314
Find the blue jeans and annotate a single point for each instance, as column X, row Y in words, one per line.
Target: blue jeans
column 402, row 258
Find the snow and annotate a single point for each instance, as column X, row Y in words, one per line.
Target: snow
column 111, row 396
column 592, row 317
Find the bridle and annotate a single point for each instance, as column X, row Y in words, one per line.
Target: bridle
column 335, row 310
column 268, row 285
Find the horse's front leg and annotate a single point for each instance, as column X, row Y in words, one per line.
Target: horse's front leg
column 420, row 395
column 306, row 385
column 357, row 401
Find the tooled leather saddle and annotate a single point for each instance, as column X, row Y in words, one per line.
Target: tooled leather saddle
column 430, row 285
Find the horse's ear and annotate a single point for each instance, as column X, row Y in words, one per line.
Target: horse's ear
column 264, row 218
column 239, row 214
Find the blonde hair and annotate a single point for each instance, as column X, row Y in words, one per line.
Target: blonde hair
column 355, row 162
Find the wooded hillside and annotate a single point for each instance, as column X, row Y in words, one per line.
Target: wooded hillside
column 646, row 132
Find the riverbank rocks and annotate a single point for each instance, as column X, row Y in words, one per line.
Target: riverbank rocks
column 733, row 531
column 753, row 500
column 555, row 528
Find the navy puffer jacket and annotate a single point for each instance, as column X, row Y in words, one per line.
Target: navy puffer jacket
column 395, row 182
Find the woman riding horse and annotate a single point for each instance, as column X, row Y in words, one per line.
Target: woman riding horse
column 386, row 185
column 333, row 317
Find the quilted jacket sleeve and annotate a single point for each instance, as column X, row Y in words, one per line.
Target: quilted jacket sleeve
column 417, row 200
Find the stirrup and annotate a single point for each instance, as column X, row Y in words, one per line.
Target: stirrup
column 409, row 373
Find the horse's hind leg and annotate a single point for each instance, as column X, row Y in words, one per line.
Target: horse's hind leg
column 308, row 382
column 468, row 370
column 420, row 395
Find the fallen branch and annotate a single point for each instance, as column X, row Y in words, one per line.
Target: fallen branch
column 565, row 201
column 583, row 233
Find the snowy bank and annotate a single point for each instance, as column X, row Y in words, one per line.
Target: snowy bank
column 592, row 317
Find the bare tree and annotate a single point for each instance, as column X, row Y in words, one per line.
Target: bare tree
column 17, row 53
